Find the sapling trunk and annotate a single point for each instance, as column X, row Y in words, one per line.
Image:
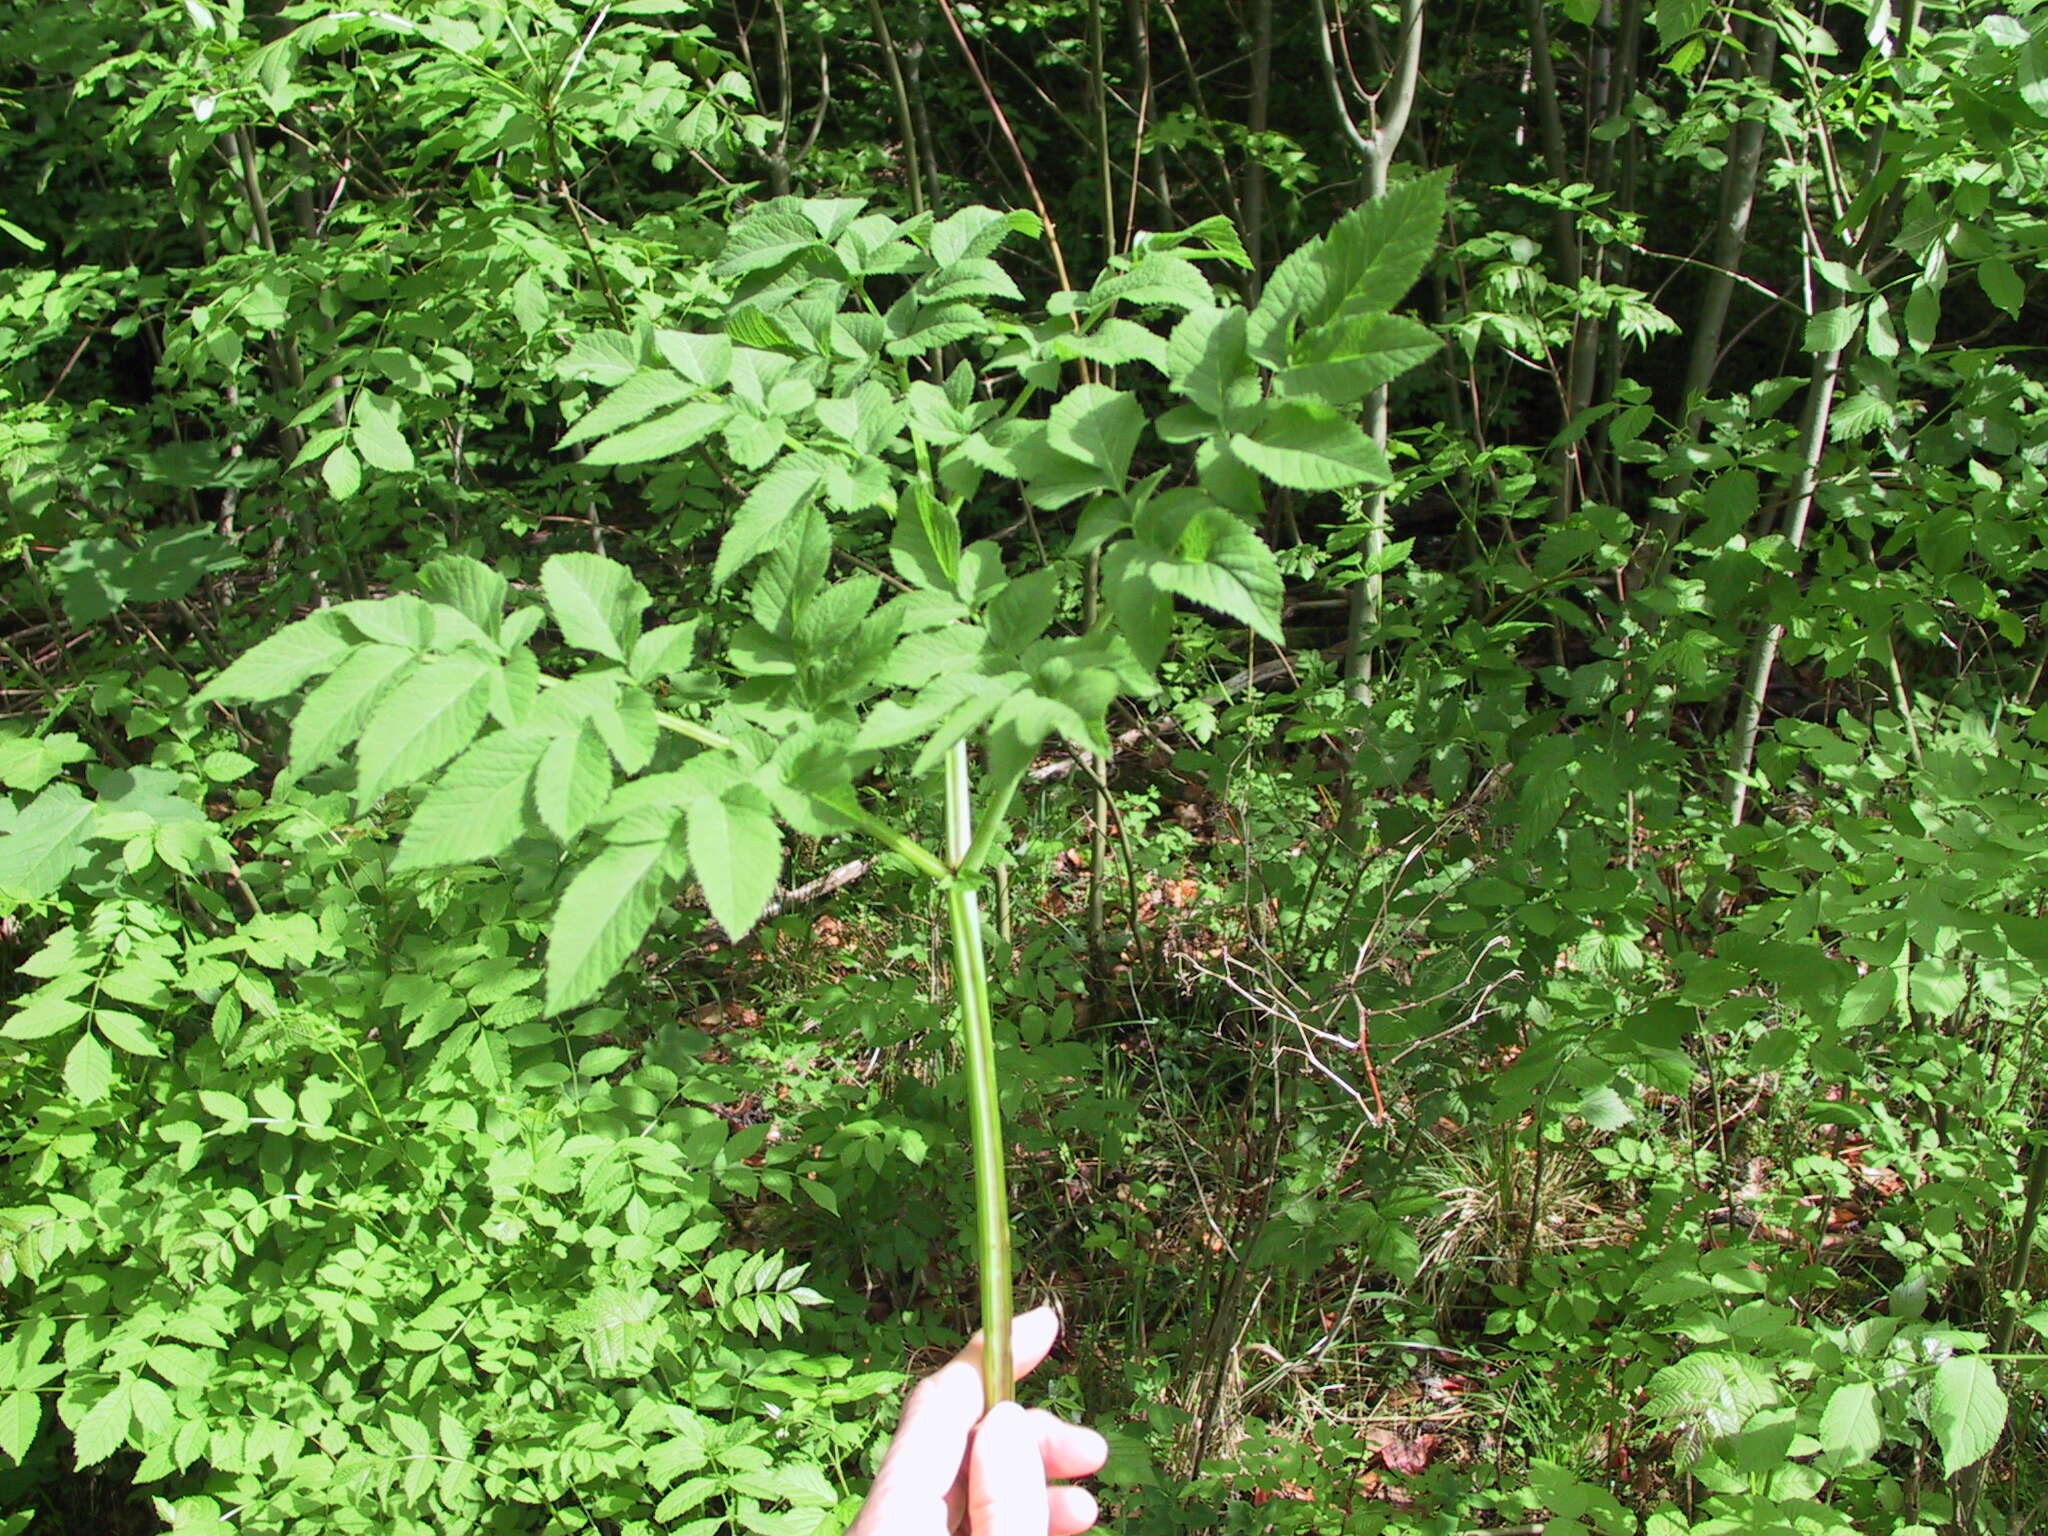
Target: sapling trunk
column 964, row 853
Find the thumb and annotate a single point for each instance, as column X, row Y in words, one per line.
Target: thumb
column 1006, row 1477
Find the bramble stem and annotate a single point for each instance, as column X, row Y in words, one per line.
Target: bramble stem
column 984, row 1102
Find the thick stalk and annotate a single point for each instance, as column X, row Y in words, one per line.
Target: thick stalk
column 984, row 1103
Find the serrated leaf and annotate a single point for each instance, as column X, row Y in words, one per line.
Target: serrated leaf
column 627, row 724
column 638, row 397
column 21, row 1415
column 415, row 729
column 595, row 602
column 40, row 1017
column 1603, row 1108
column 478, row 809
column 88, row 1070
column 332, row 715
column 1113, row 343
column 1711, row 1395
column 736, row 850
column 1220, row 563
column 1830, row 329
column 705, row 360
column 1206, row 358
column 403, row 620
column 573, row 781
column 602, row 357
column 663, row 437
column 1852, row 1424
column 1312, row 448
column 604, row 914
column 781, row 495
column 376, row 436
column 103, row 1430
column 1355, row 358
column 125, row 1031
column 342, row 473
column 2002, row 285
column 1966, row 1409
column 274, row 667
column 1370, row 258
column 1099, row 426
column 468, row 586
column 47, row 841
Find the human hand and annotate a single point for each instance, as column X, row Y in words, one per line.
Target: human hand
column 946, row 1475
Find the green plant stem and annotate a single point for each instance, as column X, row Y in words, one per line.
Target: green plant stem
column 984, row 1103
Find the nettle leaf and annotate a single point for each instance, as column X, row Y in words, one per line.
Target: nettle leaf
column 639, row 397
column 782, row 494
column 1966, row 1409
column 1309, row 447
column 736, row 851
column 275, row 667
column 332, row 715
column 415, row 729
column 595, row 602
column 573, row 782
column 478, row 809
column 604, row 914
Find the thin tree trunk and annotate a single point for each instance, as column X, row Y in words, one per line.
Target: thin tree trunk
column 1731, row 238
column 1392, row 107
column 1756, row 682
column 1256, row 119
column 905, row 123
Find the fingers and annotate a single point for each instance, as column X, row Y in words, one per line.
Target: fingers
column 924, row 1459
column 1006, row 1492
column 1072, row 1510
column 1031, row 1340
column 1068, row 1450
